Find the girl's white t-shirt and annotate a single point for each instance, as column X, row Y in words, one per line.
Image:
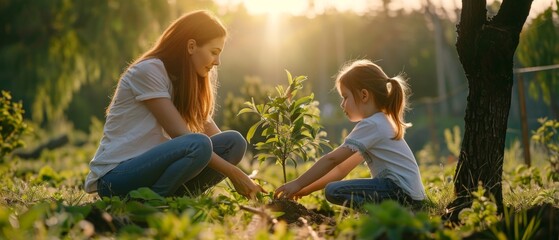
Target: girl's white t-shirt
column 385, row 157
column 130, row 129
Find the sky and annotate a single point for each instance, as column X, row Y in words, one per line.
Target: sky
column 299, row 7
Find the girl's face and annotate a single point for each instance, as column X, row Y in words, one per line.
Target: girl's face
column 206, row 56
column 349, row 105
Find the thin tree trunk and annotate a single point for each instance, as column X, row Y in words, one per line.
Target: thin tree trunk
column 486, row 49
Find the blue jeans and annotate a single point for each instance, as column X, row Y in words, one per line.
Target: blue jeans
column 176, row 167
column 356, row 192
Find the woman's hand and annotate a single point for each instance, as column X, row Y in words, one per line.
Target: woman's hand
column 245, row 186
column 289, row 190
column 242, row 183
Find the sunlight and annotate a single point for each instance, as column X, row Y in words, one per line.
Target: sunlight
column 275, row 8
column 273, row 32
column 313, row 7
column 273, row 24
column 257, row 7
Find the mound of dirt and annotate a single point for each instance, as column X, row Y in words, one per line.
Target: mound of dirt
column 293, row 211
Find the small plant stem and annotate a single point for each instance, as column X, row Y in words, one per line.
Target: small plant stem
column 286, row 148
column 284, row 175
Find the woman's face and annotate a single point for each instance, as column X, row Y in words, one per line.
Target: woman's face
column 206, row 56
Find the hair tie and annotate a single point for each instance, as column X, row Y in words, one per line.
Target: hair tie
column 388, row 80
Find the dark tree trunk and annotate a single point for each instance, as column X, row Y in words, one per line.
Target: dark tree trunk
column 486, row 48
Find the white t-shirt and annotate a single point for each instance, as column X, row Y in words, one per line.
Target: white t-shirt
column 130, row 129
column 386, row 158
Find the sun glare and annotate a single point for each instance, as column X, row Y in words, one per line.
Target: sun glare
column 275, row 8
column 271, row 7
column 311, row 7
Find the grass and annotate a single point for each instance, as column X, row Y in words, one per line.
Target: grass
column 44, row 199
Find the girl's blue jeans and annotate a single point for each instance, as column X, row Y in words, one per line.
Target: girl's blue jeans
column 356, row 192
column 176, row 167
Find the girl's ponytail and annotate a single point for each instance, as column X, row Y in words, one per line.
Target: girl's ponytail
column 397, row 104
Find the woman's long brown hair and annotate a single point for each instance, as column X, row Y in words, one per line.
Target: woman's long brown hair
column 193, row 96
column 390, row 94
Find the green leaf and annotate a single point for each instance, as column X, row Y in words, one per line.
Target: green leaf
column 298, row 124
column 34, row 214
column 246, row 110
column 271, row 140
column 79, row 210
column 296, row 115
column 146, row 194
column 303, row 100
column 300, row 79
column 140, row 212
column 289, row 77
column 252, row 130
column 261, row 108
column 294, row 162
column 280, row 90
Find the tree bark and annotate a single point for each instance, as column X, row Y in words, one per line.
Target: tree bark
column 486, row 49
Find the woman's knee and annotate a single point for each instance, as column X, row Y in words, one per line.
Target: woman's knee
column 202, row 139
column 238, row 145
column 237, row 138
column 199, row 144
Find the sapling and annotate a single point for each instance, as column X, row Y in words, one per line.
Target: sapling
column 289, row 124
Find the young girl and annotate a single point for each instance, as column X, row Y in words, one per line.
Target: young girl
column 377, row 103
column 159, row 131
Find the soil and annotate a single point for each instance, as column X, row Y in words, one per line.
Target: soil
column 293, row 211
column 104, row 222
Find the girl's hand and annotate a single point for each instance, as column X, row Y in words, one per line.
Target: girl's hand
column 245, row 186
column 298, row 195
column 289, row 190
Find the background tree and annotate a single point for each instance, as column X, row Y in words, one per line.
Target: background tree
column 540, row 47
column 486, row 49
column 50, row 49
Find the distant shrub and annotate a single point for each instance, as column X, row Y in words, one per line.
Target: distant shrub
column 547, row 136
column 12, row 126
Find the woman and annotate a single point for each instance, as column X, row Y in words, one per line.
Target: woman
column 159, row 131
